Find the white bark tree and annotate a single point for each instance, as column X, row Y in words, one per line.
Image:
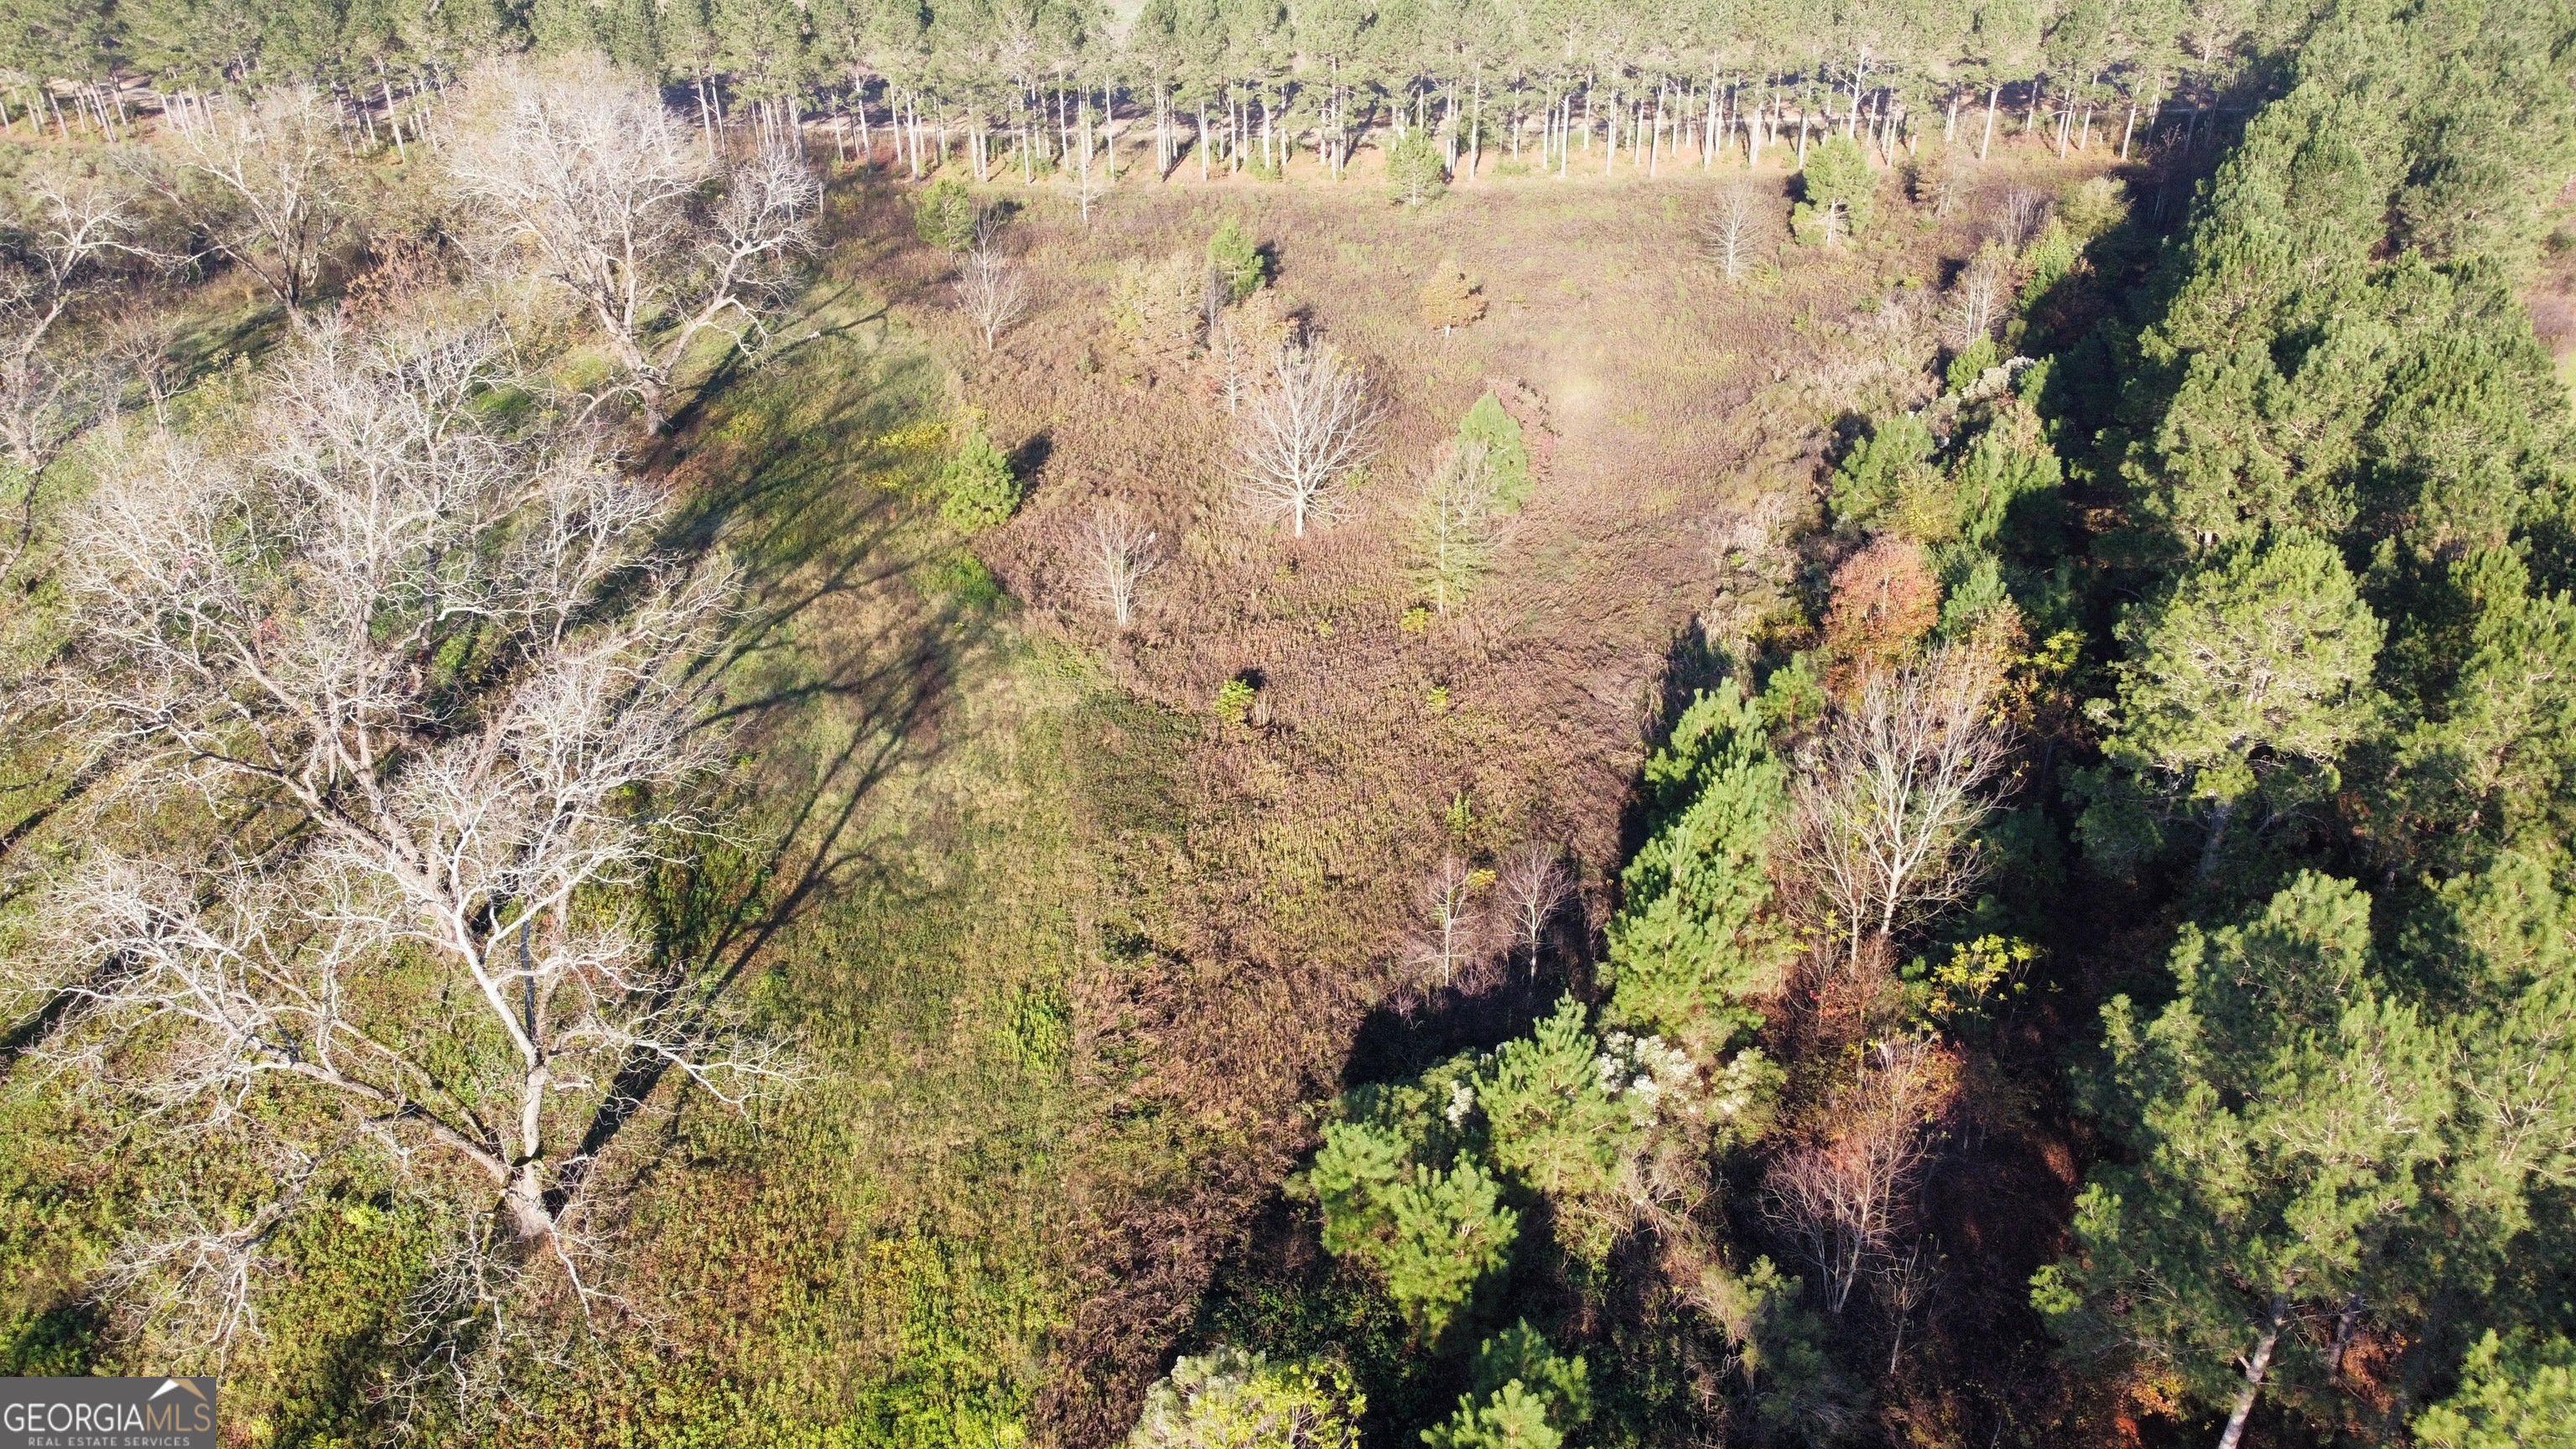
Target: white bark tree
column 265, row 183
column 990, row 290
column 607, row 195
column 69, row 226
column 1885, row 818
column 1119, row 551
column 430, row 669
column 2024, row 212
column 1450, row 929
column 1738, row 224
column 1302, row 430
column 1535, row 886
column 1454, row 536
column 1979, row 297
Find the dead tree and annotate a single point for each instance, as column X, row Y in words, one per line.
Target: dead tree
column 1535, row 886
column 266, row 184
column 1449, row 930
column 431, row 668
column 1886, row 817
column 1302, row 430
column 1454, row 534
column 1847, row 1201
column 1905, row 1279
column 1979, row 297
column 1118, row 551
column 591, row 182
column 2024, row 212
column 989, row 287
column 1736, row 227
column 70, row 226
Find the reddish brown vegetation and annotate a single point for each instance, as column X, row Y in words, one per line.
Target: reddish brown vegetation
column 1885, row 600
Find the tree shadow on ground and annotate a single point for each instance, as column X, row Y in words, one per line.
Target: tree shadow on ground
column 837, row 668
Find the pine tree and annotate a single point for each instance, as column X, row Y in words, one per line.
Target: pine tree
column 1414, row 173
column 1692, row 946
column 1839, row 193
column 2259, row 658
column 977, row 488
column 1237, row 262
column 2282, row 1110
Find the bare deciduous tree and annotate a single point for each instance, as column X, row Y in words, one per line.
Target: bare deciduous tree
column 1885, row 818
column 138, row 343
column 185, row 1286
column 1119, row 551
column 1535, row 886
column 1449, row 930
column 70, row 224
column 1738, row 223
column 989, row 287
column 428, row 665
column 1307, row 425
column 265, row 183
column 605, row 191
column 2025, row 212
column 1978, row 298
column 1905, row 1279
column 1846, row 1202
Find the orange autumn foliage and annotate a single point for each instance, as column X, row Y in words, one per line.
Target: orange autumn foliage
column 1885, row 600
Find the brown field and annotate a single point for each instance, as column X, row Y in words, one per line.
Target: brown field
column 1685, row 424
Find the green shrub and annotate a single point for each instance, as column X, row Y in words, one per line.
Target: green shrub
column 944, row 214
column 1794, row 694
column 2046, row 261
column 1415, row 174
column 1229, row 1399
column 962, row 578
column 1971, row 364
column 1234, row 700
column 1236, row 261
column 977, row 488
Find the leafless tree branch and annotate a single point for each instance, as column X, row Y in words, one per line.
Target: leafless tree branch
column 604, row 194
column 1886, row 816
column 1309, row 423
column 1119, row 552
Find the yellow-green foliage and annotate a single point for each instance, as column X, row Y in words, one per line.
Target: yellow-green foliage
column 1229, row 1399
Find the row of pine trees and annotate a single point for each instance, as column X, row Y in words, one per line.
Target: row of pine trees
column 1330, row 70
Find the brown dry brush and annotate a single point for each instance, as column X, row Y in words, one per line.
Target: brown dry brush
column 1288, row 898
